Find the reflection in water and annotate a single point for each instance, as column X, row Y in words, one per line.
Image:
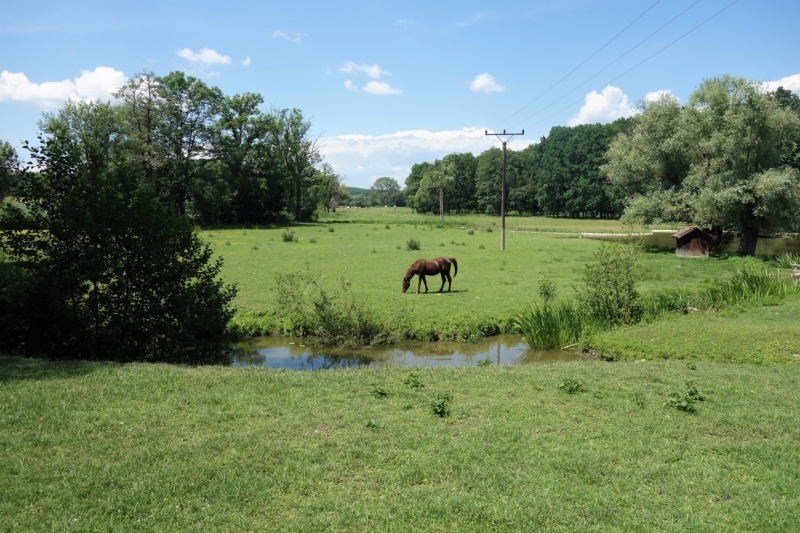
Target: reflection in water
column 281, row 352
column 766, row 248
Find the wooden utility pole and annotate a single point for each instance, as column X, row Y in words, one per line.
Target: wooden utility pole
column 503, row 184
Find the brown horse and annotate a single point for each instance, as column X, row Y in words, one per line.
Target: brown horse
column 430, row 267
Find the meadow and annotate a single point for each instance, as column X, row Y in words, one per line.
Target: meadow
column 374, row 258
column 586, row 446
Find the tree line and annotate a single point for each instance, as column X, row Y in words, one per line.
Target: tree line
column 727, row 161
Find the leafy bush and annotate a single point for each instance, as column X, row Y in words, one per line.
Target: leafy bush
column 412, row 380
column 413, row 244
column 331, row 230
column 440, row 405
column 331, row 314
column 488, row 230
column 609, row 293
column 471, row 232
column 547, row 290
column 485, row 362
column 379, row 392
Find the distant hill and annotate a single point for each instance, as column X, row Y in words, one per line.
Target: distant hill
column 357, row 190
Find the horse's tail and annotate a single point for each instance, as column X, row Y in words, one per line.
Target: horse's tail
column 453, row 260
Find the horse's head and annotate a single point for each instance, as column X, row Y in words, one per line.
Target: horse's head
column 406, row 284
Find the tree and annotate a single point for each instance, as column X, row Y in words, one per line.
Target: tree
column 9, row 169
column 437, row 178
column 103, row 268
column 413, row 181
column 717, row 162
column 297, row 153
column 386, row 189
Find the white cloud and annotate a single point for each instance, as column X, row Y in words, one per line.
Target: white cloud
column 486, row 83
column 350, row 86
column 606, row 107
column 379, row 87
column 363, row 158
column 293, row 38
column 206, row 56
column 99, row 83
column 373, row 71
column 656, row 95
column 246, row 61
column 473, row 19
column 790, row 83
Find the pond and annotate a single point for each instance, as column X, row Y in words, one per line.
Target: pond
column 294, row 354
column 767, row 248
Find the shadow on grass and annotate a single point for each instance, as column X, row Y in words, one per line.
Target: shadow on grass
column 13, row 368
column 423, row 293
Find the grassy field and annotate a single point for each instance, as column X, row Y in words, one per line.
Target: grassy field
column 105, row 447
column 489, row 282
column 768, row 334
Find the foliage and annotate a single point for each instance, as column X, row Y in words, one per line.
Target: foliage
column 547, row 290
column 717, row 162
column 749, row 285
column 485, row 362
column 550, row 326
column 412, row 380
column 379, row 392
column 288, row 235
column 413, row 244
column 440, row 405
column 102, row 267
column 9, row 169
column 609, row 293
column 571, row 385
column 787, row 260
column 386, row 189
column 684, row 400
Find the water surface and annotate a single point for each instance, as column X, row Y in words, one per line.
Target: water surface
column 294, row 354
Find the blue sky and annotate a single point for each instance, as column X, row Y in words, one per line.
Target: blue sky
column 390, row 83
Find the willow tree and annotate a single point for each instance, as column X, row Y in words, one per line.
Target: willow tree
column 716, row 162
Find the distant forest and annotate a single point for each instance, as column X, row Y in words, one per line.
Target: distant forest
column 559, row 176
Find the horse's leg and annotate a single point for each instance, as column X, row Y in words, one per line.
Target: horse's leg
column 425, row 281
column 449, row 281
column 443, row 280
column 419, row 281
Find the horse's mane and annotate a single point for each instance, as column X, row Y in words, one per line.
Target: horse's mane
column 410, row 273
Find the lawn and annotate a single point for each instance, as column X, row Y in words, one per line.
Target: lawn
column 140, row 447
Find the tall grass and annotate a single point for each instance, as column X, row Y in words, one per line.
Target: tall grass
column 787, row 260
column 750, row 285
column 550, row 325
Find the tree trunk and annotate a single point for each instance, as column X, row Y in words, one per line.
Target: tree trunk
column 441, row 203
column 747, row 246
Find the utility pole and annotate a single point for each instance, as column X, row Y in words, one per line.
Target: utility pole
column 503, row 184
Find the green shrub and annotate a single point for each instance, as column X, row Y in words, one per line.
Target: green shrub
column 471, row 232
column 787, row 260
column 481, row 247
column 288, row 236
column 609, row 293
column 485, row 362
column 547, row 290
column 440, row 405
column 313, row 240
column 488, row 230
column 413, row 244
column 379, row 392
column 331, row 230
column 412, row 380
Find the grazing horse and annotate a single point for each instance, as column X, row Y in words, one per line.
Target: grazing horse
column 430, row 267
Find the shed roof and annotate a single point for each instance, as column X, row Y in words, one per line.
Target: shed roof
column 691, row 229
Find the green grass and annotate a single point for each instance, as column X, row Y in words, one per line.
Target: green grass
column 105, row 447
column 489, row 283
column 762, row 335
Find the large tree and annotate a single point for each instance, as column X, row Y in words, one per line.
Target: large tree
column 437, row 178
column 716, row 162
column 9, row 168
column 103, row 268
column 386, row 190
column 297, row 153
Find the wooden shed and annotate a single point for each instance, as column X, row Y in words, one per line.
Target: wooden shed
column 692, row 242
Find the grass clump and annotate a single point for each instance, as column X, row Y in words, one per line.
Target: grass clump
column 412, row 380
column 413, row 244
column 289, row 236
column 571, row 386
column 748, row 286
column 787, row 260
column 330, row 229
column 471, row 232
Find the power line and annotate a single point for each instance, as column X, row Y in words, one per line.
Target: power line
column 612, row 63
column 633, row 67
column 583, row 63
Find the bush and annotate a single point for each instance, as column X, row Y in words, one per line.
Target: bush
column 413, row 244
column 609, row 292
column 114, row 272
column 684, row 400
column 288, row 236
column 440, row 405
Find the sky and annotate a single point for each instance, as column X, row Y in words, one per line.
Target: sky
column 387, row 84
